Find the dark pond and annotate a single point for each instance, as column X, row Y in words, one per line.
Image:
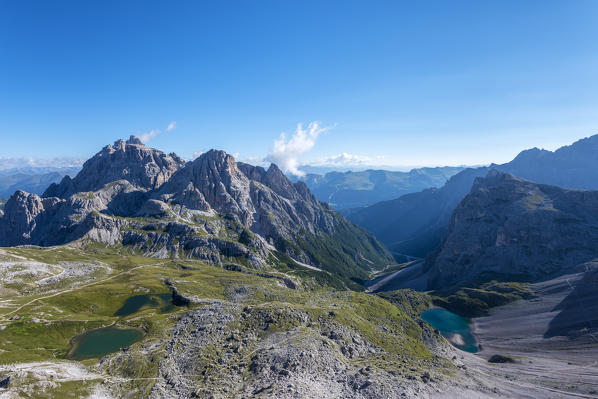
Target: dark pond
column 101, row 341
column 456, row 329
column 136, row 303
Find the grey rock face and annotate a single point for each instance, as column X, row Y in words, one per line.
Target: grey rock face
column 578, row 312
column 23, row 213
column 212, row 181
column 509, row 228
column 144, row 167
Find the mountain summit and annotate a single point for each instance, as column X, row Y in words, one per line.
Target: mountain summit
column 144, row 167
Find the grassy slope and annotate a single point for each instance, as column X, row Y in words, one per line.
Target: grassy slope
column 475, row 302
column 67, row 310
column 350, row 253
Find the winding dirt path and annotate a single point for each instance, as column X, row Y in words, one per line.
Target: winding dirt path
column 6, row 315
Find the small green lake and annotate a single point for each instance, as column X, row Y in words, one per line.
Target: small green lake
column 456, row 329
column 138, row 302
column 101, row 341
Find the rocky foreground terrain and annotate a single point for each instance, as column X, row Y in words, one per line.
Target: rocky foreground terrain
column 245, row 336
column 551, row 341
column 240, row 335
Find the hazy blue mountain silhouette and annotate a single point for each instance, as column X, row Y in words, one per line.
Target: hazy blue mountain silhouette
column 32, row 180
column 344, row 190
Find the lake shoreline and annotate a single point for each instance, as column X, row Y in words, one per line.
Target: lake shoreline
column 77, row 341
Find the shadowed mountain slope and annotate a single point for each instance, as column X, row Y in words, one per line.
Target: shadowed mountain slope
column 509, row 229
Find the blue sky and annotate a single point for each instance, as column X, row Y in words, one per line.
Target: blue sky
column 401, row 83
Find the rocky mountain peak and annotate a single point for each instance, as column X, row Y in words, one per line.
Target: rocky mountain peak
column 214, row 166
column 134, row 140
column 144, row 167
column 494, row 178
column 212, row 181
column 217, row 160
column 507, row 227
column 277, row 181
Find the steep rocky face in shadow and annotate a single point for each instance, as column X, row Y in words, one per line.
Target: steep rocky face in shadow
column 212, row 208
column 414, row 223
column 23, row 213
column 515, row 230
column 578, row 312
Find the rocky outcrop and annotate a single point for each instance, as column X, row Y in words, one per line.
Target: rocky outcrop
column 24, row 214
column 578, row 311
column 227, row 350
column 144, row 167
column 212, row 181
column 515, row 230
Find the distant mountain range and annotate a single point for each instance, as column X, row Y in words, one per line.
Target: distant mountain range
column 344, row 190
column 212, row 208
column 32, row 179
column 415, row 223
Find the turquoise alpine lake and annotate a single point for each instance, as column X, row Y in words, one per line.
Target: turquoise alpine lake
column 136, row 303
column 456, row 329
column 101, row 341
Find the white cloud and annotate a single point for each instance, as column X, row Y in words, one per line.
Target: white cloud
column 286, row 152
column 256, row 161
column 147, row 136
column 345, row 159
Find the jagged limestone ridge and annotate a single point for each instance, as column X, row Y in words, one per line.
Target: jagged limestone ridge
column 212, row 208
